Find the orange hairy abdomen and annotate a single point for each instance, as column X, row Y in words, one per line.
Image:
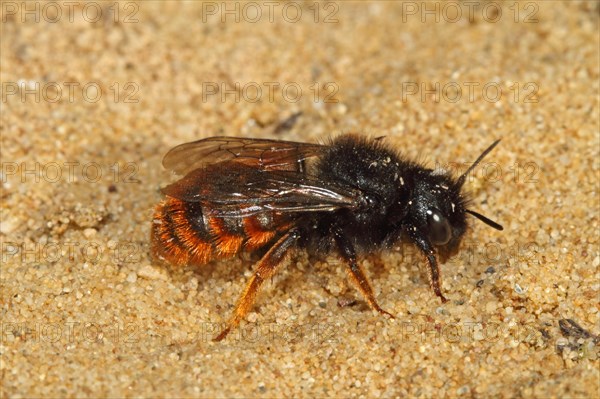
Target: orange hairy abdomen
column 185, row 232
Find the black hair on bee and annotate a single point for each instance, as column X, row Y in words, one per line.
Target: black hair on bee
column 399, row 199
column 358, row 196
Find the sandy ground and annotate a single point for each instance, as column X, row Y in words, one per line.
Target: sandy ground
column 94, row 94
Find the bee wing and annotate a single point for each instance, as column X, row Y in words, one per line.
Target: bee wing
column 237, row 190
column 260, row 153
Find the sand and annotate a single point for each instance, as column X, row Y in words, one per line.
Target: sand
column 91, row 103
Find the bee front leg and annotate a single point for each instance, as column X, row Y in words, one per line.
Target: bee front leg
column 355, row 272
column 434, row 276
column 433, row 270
column 265, row 269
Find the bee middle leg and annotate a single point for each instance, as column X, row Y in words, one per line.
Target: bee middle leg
column 265, row 269
column 357, row 275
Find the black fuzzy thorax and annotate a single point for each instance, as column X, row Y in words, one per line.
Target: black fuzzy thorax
column 377, row 171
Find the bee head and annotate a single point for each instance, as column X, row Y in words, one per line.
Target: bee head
column 438, row 208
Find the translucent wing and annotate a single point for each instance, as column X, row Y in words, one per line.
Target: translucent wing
column 237, row 190
column 261, row 153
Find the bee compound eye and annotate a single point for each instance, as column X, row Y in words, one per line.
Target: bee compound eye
column 439, row 227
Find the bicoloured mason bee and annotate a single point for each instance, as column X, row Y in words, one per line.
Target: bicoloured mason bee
column 351, row 196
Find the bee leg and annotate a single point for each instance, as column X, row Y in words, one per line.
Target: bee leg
column 356, row 272
column 265, row 269
column 434, row 270
column 434, row 275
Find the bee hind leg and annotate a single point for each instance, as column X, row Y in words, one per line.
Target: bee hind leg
column 265, row 269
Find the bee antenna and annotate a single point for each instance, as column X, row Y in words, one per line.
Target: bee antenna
column 463, row 177
column 484, row 219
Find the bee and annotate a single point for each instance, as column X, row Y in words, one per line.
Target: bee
column 351, row 196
